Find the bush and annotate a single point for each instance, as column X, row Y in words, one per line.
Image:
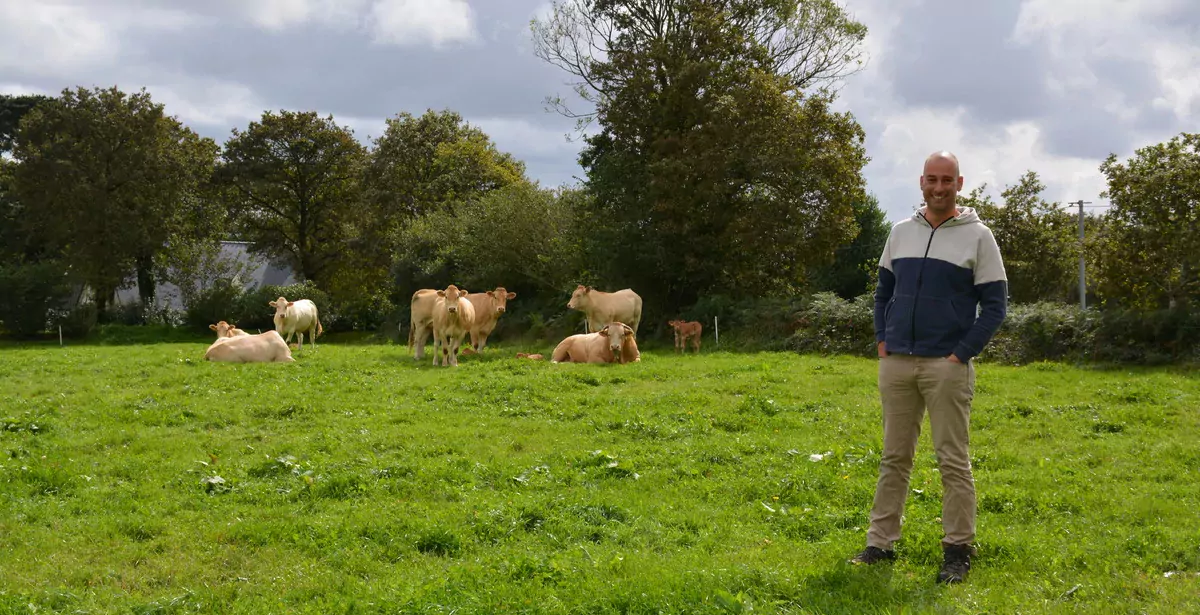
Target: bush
column 254, row 312
column 221, row 301
column 832, row 325
column 28, row 292
column 76, row 322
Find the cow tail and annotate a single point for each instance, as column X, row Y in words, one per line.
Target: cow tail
column 320, row 329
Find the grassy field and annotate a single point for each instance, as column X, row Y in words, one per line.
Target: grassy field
column 141, row 479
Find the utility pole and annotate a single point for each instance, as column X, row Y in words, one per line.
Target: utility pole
column 1082, row 273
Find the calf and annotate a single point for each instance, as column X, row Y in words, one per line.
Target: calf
column 297, row 317
column 685, row 330
column 615, row 343
column 266, row 347
column 453, row 317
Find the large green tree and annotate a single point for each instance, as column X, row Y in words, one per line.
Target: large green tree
column 293, row 180
column 421, row 171
column 109, row 179
column 12, row 109
column 1149, row 254
column 719, row 168
column 1038, row 241
column 855, row 266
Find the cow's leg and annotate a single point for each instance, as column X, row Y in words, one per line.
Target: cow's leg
column 697, row 342
column 455, row 343
column 420, row 335
column 312, row 336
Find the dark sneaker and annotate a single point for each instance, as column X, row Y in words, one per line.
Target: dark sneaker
column 956, row 561
column 873, row 555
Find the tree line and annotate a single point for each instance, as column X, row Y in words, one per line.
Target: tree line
column 720, row 172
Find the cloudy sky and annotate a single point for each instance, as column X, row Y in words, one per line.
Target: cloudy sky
column 1009, row 85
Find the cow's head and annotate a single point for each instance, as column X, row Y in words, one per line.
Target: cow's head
column 674, row 324
column 452, row 295
column 616, row 333
column 223, row 329
column 580, row 297
column 500, row 298
column 281, row 305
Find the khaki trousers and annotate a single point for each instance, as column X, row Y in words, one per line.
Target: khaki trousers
column 908, row 387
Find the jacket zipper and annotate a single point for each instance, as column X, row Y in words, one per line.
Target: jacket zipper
column 920, row 277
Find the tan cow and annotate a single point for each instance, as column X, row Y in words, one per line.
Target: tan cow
column 602, row 307
column 685, row 330
column 225, row 329
column 266, row 347
column 615, row 343
column 531, row 357
column 453, row 317
column 297, row 317
column 488, row 308
column 421, row 319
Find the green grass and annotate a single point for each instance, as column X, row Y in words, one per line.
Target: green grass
column 356, row 481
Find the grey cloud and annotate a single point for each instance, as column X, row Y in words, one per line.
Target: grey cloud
column 949, row 53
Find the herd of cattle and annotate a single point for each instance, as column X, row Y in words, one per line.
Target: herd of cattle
column 452, row 314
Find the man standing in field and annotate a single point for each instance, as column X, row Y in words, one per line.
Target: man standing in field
column 937, row 268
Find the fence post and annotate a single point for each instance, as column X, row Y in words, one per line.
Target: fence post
column 717, row 331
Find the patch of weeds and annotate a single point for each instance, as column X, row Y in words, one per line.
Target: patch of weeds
column 759, row 405
column 283, row 411
column 439, row 542
column 47, row 480
column 27, row 425
column 1106, row 427
column 607, row 464
column 539, row 569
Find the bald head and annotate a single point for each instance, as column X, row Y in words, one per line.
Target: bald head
column 940, row 158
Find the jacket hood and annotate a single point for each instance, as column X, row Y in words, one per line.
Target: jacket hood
column 966, row 215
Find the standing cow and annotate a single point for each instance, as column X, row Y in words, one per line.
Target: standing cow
column 453, row 317
column 601, row 307
column 297, row 317
column 615, row 343
column 488, row 308
column 421, row 320
column 685, row 330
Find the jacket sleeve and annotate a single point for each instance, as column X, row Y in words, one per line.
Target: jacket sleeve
column 991, row 287
column 884, row 289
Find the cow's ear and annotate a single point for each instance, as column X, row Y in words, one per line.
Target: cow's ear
column 603, row 332
column 272, row 304
column 291, row 303
column 490, row 293
column 628, row 330
column 587, row 289
column 441, row 293
column 512, row 296
column 213, row 327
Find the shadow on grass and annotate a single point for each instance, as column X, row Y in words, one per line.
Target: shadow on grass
column 846, row 588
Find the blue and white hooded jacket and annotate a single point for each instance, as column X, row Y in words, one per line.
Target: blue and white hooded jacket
column 932, row 284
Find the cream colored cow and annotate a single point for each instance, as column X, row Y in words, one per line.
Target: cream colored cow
column 421, row 320
column 488, row 308
column 266, row 347
column 602, row 307
column 453, row 317
column 225, row 329
column 297, row 317
column 615, row 343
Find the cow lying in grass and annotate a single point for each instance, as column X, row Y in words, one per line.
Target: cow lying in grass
column 266, row 347
column 615, row 343
column 225, row 329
